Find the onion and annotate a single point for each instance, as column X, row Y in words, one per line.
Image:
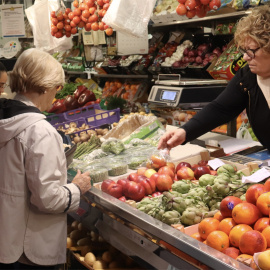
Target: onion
column 198, row 60
column 192, row 53
column 186, row 51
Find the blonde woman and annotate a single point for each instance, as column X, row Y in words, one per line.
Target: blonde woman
column 3, row 78
column 249, row 89
column 34, row 194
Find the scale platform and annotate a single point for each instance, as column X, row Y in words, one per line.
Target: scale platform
column 186, row 94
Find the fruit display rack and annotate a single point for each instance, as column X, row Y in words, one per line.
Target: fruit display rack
column 139, row 236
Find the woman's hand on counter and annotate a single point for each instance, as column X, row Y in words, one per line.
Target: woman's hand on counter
column 172, row 138
column 83, row 181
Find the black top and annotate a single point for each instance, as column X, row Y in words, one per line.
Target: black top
column 242, row 92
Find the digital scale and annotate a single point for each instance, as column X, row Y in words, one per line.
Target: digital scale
column 187, row 94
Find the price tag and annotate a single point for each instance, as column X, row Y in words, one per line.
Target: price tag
column 256, row 177
column 215, row 163
column 80, row 212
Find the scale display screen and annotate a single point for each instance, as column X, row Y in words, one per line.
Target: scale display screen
column 168, row 95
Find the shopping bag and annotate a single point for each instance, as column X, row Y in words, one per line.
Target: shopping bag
column 38, row 16
column 129, row 16
column 243, row 132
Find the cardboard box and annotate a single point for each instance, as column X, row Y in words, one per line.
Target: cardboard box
column 228, row 72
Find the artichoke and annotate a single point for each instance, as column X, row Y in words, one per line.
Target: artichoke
column 182, row 186
column 171, row 217
column 177, row 204
column 226, row 168
column 206, row 179
column 156, row 213
column 221, row 186
column 191, row 216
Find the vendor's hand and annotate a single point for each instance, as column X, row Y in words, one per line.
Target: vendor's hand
column 172, row 138
column 83, row 181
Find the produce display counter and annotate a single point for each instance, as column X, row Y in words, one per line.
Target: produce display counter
column 150, row 242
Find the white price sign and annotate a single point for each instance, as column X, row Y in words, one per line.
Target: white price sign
column 215, row 163
column 256, row 177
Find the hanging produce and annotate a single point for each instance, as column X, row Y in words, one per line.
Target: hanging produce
column 87, row 14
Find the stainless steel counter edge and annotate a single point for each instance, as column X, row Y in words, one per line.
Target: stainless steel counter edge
column 160, row 230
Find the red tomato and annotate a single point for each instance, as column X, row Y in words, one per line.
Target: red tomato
column 201, row 11
column 71, row 15
column 54, row 29
column 76, row 19
column 83, row 6
column 89, row 3
column 86, row 13
column 182, row 1
column 95, row 26
column 72, row 24
column 54, row 21
column 88, row 27
column 67, row 21
column 181, row 9
column 93, row 18
column 81, row 24
column 108, row 31
column 75, row 3
column 215, row 4
column 77, row 12
column 106, row 1
column 73, row 30
column 101, row 26
column 190, row 5
column 92, row 10
column 60, row 16
column 68, row 34
column 60, row 25
column 53, row 15
column 100, row 2
column 104, row 12
column 106, row 6
column 58, row 34
column 191, row 13
column 205, row 2
column 68, row 10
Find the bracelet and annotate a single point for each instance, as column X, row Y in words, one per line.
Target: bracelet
column 78, row 188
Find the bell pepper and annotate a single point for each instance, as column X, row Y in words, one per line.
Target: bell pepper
column 71, row 102
column 85, row 97
column 80, row 89
column 89, row 103
column 58, row 106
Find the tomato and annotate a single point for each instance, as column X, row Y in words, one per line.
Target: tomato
column 52, row 33
column 181, row 9
column 95, row 26
column 101, row 26
column 201, row 11
column 54, row 21
column 98, row 100
column 60, row 17
column 106, row 1
column 106, row 6
column 53, row 15
column 89, row 3
column 77, row 12
column 92, row 10
column 68, row 10
column 205, row 2
column 67, row 21
column 58, row 34
column 86, row 13
column 190, row 5
column 215, row 4
column 104, row 12
column 191, row 13
column 60, row 25
column 100, row 3
column 75, row 3
column 81, row 24
column 88, row 27
column 182, row 1
column 83, row 6
column 109, row 31
column 72, row 24
column 73, row 30
column 54, row 29
column 68, row 34
column 156, row 194
column 93, row 18
column 106, row 26
column 76, row 19
column 71, row 15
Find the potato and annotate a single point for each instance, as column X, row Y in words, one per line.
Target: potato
column 69, row 229
column 107, row 257
column 90, row 258
column 69, row 242
column 85, row 250
column 74, row 224
column 84, row 241
column 76, row 235
column 99, row 265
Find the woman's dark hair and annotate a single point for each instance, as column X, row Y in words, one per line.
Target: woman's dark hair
column 2, row 68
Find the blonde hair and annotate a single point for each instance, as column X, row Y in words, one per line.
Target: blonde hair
column 255, row 26
column 36, row 71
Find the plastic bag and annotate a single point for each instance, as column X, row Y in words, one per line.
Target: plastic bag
column 129, row 16
column 243, row 132
column 38, row 16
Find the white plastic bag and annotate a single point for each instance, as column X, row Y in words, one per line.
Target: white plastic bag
column 38, row 16
column 129, row 16
column 243, row 132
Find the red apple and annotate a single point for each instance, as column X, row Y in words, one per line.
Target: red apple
column 182, row 164
column 164, row 182
column 171, row 165
column 115, row 190
column 123, row 199
column 201, row 170
column 253, row 192
column 194, row 167
column 203, row 163
column 133, row 177
column 123, row 183
column 134, row 191
column 227, row 205
column 185, row 173
column 166, row 170
column 156, row 194
column 105, row 184
column 147, row 186
column 141, row 170
column 157, row 161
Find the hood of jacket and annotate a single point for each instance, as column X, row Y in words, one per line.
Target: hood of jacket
column 15, row 116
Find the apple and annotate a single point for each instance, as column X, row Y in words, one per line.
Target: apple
column 201, row 170
column 141, row 170
column 212, row 172
column 185, row 173
column 194, row 167
column 171, row 165
column 164, row 182
column 157, row 161
column 133, row 177
column 149, row 172
column 105, row 184
column 134, row 191
column 166, row 170
column 123, row 198
column 182, row 164
column 203, row 163
column 156, row 194
column 147, row 186
column 115, row 190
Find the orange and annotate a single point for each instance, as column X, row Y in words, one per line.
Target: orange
column 252, row 242
column 206, row 226
column 267, row 184
column 246, row 213
column 263, row 203
column 233, row 252
column 261, row 224
column 253, row 193
column 197, row 236
column 263, row 260
column 218, row 240
column 236, row 233
column 218, row 216
column 226, row 225
column 266, row 234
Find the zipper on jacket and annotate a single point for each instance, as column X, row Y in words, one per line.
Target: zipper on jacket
column 249, row 101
